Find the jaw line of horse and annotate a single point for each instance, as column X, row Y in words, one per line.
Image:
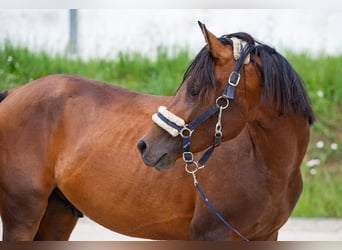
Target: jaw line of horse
column 162, row 164
column 160, row 159
column 164, row 168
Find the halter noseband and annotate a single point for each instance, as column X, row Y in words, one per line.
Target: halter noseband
column 175, row 125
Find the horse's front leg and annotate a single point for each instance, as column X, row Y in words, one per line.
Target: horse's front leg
column 23, row 204
column 205, row 226
column 59, row 219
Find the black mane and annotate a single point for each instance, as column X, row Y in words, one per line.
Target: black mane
column 280, row 81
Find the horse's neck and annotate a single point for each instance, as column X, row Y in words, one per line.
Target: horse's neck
column 280, row 142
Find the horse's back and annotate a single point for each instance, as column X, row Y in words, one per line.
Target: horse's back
column 49, row 98
column 60, row 86
column 32, row 120
column 71, row 133
column 49, row 115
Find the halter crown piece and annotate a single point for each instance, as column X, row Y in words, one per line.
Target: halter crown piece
column 175, row 125
column 239, row 45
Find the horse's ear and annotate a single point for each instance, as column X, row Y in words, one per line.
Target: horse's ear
column 217, row 49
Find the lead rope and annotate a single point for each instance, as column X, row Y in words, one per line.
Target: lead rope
column 189, row 160
column 175, row 126
column 218, row 215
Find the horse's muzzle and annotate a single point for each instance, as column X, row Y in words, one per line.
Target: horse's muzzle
column 154, row 158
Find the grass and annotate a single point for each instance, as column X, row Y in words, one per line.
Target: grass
column 321, row 196
column 132, row 71
column 322, row 167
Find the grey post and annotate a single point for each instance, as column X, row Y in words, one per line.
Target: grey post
column 73, row 32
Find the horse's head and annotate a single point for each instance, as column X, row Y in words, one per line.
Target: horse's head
column 222, row 90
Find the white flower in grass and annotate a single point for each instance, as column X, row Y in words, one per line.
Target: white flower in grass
column 320, row 144
column 313, row 171
column 334, row 146
column 320, row 93
column 313, row 162
column 9, row 59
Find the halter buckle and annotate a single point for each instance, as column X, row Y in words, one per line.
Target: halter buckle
column 234, row 78
column 188, row 157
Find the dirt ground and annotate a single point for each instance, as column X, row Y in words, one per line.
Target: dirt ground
column 296, row 229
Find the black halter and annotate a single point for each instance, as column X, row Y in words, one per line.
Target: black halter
column 222, row 103
column 185, row 131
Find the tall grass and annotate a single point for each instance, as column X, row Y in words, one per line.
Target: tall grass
column 159, row 76
column 322, row 166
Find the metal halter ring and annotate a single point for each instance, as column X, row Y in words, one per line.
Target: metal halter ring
column 185, row 132
column 191, row 171
column 225, row 99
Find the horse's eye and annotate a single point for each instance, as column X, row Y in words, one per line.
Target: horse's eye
column 193, row 89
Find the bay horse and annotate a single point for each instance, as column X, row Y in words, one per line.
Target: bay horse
column 67, row 149
column 244, row 93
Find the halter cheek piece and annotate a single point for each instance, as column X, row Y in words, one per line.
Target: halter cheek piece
column 175, row 125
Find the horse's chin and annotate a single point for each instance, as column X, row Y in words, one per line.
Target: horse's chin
column 164, row 166
column 163, row 163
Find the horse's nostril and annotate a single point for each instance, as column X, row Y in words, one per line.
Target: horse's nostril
column 142, row 147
